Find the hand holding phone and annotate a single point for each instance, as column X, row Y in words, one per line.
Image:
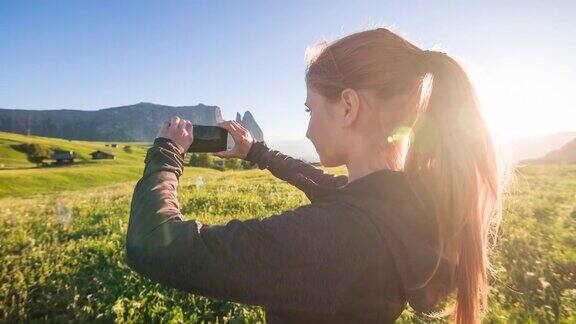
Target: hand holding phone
column 179, row 131
column 242, row 140
column 204, row 138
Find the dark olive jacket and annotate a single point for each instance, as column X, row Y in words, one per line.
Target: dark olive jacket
column 356, row 254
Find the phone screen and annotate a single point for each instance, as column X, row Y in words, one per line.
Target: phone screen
column 208, row 139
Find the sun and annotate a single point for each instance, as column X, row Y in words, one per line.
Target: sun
column 522, row 97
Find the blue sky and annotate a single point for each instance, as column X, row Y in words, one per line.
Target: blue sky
column 243, row 55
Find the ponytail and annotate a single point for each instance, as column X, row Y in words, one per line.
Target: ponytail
column 451, row 150
column 448, row 148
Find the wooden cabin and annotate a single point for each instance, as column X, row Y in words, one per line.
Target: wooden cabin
column 63, row 157
column 101, row 155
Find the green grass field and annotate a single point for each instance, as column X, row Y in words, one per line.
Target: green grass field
column 21, row 178
column 10, row 158
column 54, row 270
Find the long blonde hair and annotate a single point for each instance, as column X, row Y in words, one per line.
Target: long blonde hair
column 436, row 133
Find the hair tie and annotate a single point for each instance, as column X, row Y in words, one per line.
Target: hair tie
column 424, row 63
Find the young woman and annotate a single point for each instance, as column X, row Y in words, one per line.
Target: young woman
column 409, row 224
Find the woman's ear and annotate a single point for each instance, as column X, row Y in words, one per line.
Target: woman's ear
column 351, row 106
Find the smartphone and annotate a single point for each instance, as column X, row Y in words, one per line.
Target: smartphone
column 208, row 139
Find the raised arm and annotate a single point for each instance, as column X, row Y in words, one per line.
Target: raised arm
column 300, row 259
column 287, row 168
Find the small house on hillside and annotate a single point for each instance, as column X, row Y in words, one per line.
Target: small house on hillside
column 100, row 155
column 63, row 157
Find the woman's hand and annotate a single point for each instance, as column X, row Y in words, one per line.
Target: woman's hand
column 179, row 131
column 242, row 140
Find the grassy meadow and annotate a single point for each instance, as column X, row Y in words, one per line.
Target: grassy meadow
column 21, row 178
column 62, row 241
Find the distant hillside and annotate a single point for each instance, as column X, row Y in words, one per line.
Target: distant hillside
column 534, row 147
column 19, row 177
column 565, row 155
column 139, row 122
column 519, row 149
column 11, row 158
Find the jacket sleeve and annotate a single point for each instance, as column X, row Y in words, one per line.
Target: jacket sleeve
column 287, row 168
column 292, row 260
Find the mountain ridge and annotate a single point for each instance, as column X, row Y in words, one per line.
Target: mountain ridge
column 564, row 155
column 137, row 122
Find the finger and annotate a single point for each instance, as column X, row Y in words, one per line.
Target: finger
column 234, row 127
column 163, row 128
column 174, row 121
column 224, row 124
column 182, row 124
column 230, row 128
column 236, row 133
column 239, row 126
